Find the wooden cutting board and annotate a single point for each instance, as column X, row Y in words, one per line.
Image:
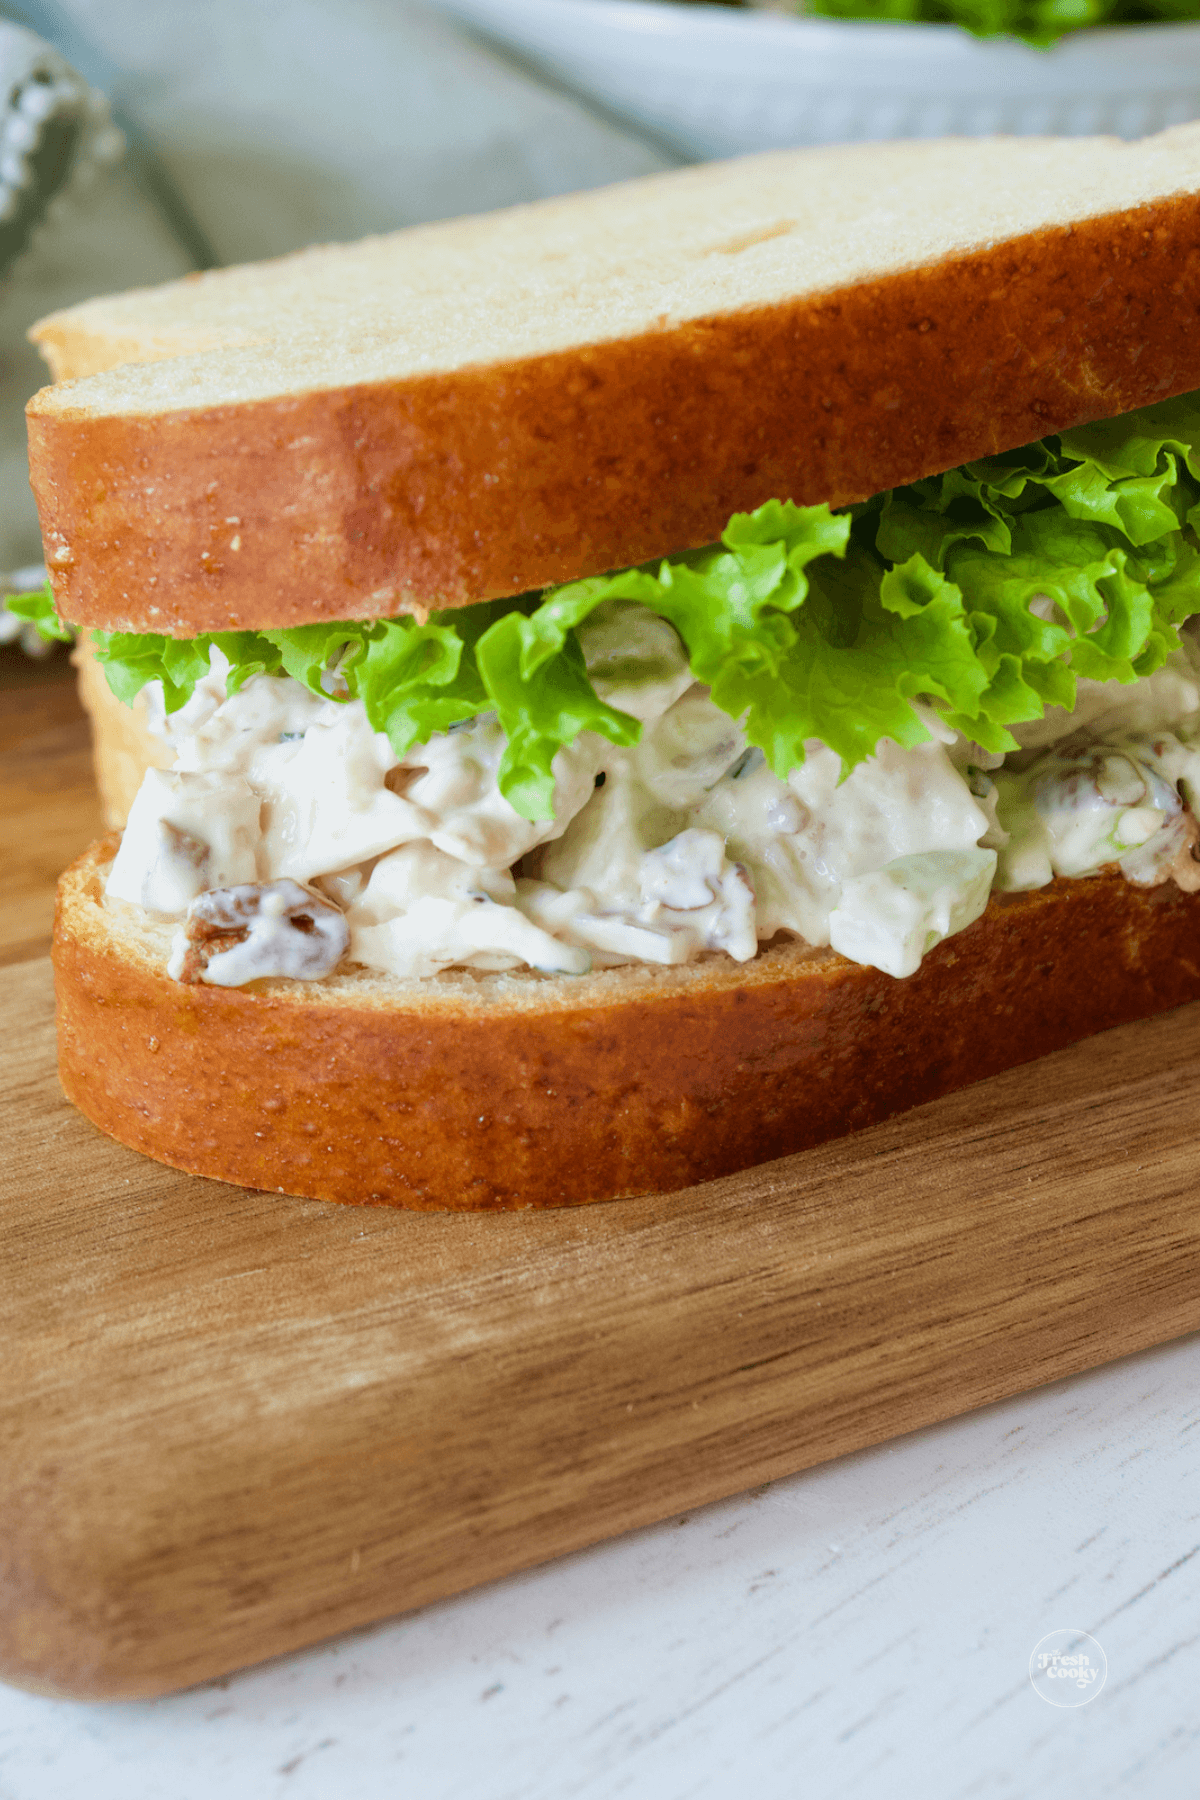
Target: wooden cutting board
column 235, row 1423
column 49, row 811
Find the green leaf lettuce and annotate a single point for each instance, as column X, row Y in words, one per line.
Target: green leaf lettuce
column 1039, row 22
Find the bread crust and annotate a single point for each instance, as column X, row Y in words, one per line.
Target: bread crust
column 506, row 1092
column 451, row 488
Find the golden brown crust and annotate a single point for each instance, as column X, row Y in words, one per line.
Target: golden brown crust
column 447, row 489
column 603, row 1091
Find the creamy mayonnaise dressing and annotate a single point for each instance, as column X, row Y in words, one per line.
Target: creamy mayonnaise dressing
column 1114, row 781
column 684, row 844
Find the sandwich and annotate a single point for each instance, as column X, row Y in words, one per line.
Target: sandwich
column 636, row 685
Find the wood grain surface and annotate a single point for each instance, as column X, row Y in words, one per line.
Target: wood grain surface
column 49, row 811
column 235, row 1423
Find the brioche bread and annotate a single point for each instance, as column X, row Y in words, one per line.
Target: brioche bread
column 519, row 1090
column 487, row 406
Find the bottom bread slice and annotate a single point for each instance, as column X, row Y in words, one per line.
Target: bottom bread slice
column 521, row 1090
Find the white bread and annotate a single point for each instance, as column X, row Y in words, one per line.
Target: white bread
column 617, row 262
column 494, row 404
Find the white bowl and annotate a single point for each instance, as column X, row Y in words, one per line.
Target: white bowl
column 716, row 81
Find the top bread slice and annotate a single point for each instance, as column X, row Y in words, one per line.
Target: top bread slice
column 477, row 408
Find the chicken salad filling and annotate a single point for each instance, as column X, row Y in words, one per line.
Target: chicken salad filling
column 290, row 837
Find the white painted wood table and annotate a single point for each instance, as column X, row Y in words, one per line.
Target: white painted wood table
column 860, row 1631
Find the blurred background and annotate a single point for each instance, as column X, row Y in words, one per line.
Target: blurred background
column 253, row 127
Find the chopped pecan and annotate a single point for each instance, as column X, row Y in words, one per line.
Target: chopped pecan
column 1185, row 869
column 259, row 930
column 1170, row 855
